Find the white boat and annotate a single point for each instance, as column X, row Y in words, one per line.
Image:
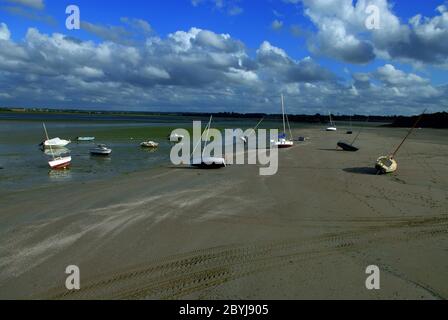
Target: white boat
column 207, row 162
column 149, row 144
column 55, row 143
column 101, row 150
column 175, row 137
column 60, row 162
column 85, row 139
column 332, row 126
column 282, row 142
column 57, row 162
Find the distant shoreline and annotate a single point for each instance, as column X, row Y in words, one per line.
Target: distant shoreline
column 437, row 120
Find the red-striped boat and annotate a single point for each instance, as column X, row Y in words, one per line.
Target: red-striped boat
column 57, row 162
column 60, row 162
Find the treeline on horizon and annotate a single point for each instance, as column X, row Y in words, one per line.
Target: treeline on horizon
column 434, row 120
column 437, row 120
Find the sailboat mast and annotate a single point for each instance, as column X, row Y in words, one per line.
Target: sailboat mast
column 289, row 126
column 206, row 136
column 256, row 127
column 360, row 130
column 258, row 124
column 45, row 129
column 283, row 114
column 409, row 133
column 46, row 135
column 200, row 140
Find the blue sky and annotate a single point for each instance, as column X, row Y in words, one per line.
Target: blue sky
column 240, row 49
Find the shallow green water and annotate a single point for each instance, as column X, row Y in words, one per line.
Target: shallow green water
column 25, row 166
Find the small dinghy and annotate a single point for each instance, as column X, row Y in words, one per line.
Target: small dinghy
column 101, row 150
column 149, row 144
column 84, row 139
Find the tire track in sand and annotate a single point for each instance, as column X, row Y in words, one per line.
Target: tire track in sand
column 184, row 274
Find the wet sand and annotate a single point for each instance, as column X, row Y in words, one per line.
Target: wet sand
column 309, row 231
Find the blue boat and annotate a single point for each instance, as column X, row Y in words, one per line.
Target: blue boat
column 85, row 139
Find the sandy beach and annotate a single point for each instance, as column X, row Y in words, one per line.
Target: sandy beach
column 307, row 232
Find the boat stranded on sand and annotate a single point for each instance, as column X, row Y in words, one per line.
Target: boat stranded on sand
column 350, row 146
column 347, row 146
column 388, row 164
column 282, row 142
column 207, row 162
column 332, row 126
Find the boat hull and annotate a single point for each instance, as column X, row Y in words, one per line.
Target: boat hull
column 347, row 147
column 386, row 165
column 100, row 153
column 284, row 144
column 84, row 139
column 101, row 150
column 60, row 163
column 149, row 144
column 55, row 143
column 331, row 129
column 209, row 163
